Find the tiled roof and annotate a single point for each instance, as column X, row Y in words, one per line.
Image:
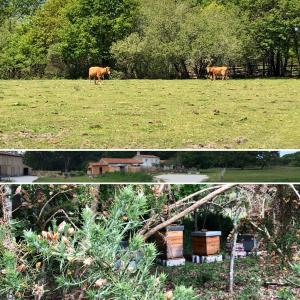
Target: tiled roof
column 147, row 156
column 108, row 161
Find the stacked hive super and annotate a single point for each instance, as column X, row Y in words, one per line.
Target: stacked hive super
column 206, row 246
column 246, row 245
column 170, row 246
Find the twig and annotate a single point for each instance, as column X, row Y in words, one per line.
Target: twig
column 43, row 208
column 178, row 203
column 292, row 282
column 295, row 190
column 66, row 215
column 268, row 236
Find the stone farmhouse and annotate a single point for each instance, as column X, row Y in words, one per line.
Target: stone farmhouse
column 108, row 165
column 11, row 164
column 138, row 163
column 148, row 161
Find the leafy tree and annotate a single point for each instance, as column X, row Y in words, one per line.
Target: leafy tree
column 153, row 39
column 214, row 35
column 272, row 27
column 93, row 27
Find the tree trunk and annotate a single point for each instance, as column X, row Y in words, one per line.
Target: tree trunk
column 232, row 257
column 271, row 68
column 296, row 43
column 186, row 74
column 6, row 199
column 196, row 220
column 7, row 204
column 278, row 64
column 286, row 59
column 233, row 251
column 95, row 192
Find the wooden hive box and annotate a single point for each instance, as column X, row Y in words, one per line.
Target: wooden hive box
column 170, row 242
column 206, row 243
column 249, row 242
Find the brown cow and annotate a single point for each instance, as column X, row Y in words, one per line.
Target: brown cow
column 213, row 72
column 98, row 72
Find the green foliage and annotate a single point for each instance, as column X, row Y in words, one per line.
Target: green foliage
column 91, row 258
column 285, row 294
column 153, row 39
column 63, row 38
column 176, row 36
column 249, row 292
column 181, row 292
column 291, row 159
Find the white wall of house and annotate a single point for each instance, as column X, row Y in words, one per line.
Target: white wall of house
column 149, row 162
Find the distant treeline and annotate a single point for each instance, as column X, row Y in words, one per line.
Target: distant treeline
column 148, row 39
column 78, row 160
column 75, row 160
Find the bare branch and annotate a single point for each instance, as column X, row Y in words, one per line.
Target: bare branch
column 54, row 196
column 188, row 210
column 66, row 215
column 178, row 203
column 295, row 190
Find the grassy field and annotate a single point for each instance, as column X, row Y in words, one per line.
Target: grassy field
column 150, row 114
column 108, row 177
column 274, row 174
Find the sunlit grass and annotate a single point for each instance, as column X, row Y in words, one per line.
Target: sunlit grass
column 274, row 174
column 150, row 114
column 108, row 178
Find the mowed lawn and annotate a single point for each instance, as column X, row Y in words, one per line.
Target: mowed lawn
column 274, row 174
column 261, row 113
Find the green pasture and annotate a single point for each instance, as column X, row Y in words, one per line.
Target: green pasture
column 274, row 174
column 261, row 113
column 108, row 177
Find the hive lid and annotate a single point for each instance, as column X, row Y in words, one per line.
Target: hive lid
column 206, row 233
column 174, row 228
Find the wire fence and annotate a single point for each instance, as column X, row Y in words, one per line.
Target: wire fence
column 291, row 70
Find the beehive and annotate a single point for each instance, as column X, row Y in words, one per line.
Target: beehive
column 206, row 243
column 249, row 242
column 170, row 242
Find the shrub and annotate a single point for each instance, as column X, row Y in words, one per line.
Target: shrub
column 90, row 260
column 285, row 294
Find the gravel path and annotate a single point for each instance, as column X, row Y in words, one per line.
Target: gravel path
column 21, row 179
column 181, row 178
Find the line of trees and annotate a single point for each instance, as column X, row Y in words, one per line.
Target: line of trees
column 232, row 159
column 75, row 160
column 146, row 39
column 78, row 160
